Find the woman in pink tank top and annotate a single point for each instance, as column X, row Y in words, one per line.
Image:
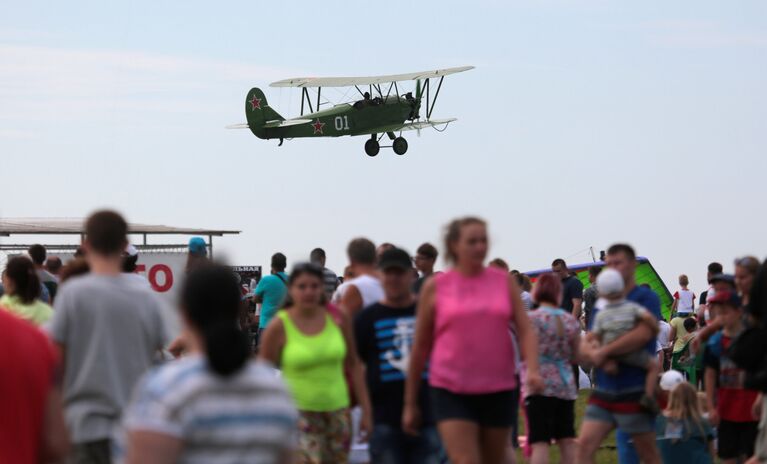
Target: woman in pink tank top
column 463, row 322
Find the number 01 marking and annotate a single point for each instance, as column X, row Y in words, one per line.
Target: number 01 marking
column 342, row 123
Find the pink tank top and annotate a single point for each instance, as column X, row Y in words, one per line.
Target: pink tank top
column 472, row 352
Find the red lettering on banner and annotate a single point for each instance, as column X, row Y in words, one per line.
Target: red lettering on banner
column 168, row 281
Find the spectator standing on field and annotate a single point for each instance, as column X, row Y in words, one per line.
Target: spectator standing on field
column 365, row 288
column 330, row 278
column 572, row 298
column 216, row 405
column 729, row 401
column 198, row 254
column 425, row 259
column 384, row 334
column 22, row 292
column 53, row 265
column 551, row 412
column 684, row 298
column 271, row 291
column 38, row 253
column 615, row 400
column 110, row 331
column 591, row 295
column 463, row 323
column 713, row 269
column 32, row 427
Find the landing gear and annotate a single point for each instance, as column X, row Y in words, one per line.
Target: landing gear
column 372, row 147
column 399, row 146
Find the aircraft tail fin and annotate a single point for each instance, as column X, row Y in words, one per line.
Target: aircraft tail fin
column 258, row 112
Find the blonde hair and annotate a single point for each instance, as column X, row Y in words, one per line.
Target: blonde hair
column 683, row 280
column 684, row 405
column 453, row 234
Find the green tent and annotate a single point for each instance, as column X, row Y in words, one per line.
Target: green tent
column 646, row 274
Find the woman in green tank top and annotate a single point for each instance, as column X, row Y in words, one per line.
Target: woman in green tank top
column 312, row 350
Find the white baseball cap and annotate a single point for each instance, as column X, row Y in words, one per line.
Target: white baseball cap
column 609, row 282
column 671, row 379
column 131, row 250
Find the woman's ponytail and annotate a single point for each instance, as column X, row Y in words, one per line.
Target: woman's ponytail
column 226, row 347
column 211, row 301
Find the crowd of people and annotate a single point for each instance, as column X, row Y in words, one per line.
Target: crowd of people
column 424, row 366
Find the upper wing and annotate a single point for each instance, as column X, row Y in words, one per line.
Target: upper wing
column 371, row 80
column 409, row 126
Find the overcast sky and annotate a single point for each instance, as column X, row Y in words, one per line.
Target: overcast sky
column 584, row 123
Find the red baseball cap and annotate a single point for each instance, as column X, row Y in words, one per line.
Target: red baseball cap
column 725, row 297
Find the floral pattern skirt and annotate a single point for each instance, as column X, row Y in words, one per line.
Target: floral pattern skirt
column 324, row 437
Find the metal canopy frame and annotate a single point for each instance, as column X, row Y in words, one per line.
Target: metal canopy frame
column 74, row 227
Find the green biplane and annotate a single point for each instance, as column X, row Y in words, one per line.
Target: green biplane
column 376, row 114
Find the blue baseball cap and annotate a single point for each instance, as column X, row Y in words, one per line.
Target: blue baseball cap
column 197, row 246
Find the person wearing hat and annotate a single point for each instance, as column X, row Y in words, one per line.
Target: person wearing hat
column 729, row 402
column 384, row 335
column 616, row 318
column 719, row 283
column 198, row 253
column 130, row 265
column 683, row 433
column 670, row 379
column 614, row 401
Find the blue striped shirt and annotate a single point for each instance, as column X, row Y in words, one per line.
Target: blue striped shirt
column 248, row 417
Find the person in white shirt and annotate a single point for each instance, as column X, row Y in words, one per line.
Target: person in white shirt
column 664, row 343
column 684, row 298
column 365, row 289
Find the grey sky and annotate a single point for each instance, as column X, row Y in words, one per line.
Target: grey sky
column 585, row 123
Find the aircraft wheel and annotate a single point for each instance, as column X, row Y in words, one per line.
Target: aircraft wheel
column 399, row 145
column 372, row 147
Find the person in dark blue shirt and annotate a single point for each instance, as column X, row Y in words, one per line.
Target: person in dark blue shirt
column 384, row 333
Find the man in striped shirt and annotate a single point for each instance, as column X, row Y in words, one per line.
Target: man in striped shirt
column 330, row 278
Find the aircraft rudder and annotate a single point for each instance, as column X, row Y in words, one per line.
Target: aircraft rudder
column 257, row 109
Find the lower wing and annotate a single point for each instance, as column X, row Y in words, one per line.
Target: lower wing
column 273, row 124
column 417, row 125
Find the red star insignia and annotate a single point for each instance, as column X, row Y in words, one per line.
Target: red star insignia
column 318, row 127
column 255, row 103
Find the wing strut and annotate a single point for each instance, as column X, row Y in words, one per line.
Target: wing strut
column 429, row 110
column 388, row 92
column 305, row 96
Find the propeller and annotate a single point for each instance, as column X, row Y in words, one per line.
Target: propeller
column 418, row 93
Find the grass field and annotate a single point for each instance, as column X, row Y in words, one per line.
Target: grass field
column 606, row 455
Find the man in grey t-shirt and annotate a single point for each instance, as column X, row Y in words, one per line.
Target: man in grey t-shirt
column 110, row 331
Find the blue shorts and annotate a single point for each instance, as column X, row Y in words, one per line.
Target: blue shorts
column 390, row 445
column 631, row 423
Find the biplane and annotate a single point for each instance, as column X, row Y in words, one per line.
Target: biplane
column 376, row 114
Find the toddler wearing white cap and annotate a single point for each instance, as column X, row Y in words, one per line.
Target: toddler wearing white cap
column 617, row 317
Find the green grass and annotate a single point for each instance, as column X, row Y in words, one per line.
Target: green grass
column 607, row 454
